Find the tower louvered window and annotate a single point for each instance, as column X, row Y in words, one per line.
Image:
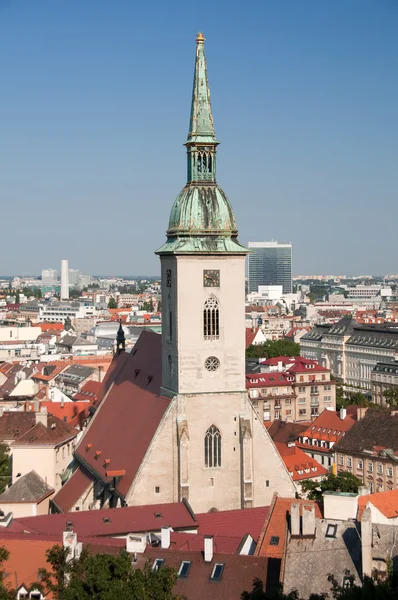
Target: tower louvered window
column 213, row 447
column 211, row 319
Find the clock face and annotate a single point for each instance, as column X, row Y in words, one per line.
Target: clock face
column 168, row 277
column 211, row 278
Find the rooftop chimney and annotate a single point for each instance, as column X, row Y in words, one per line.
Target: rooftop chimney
column 36, row 405
column 361, row 410
column 295, row 519
column 309, row 520
column 42, row 417
column 208, row 548
column 366, row 542
column 343, row 413
column 165, row 537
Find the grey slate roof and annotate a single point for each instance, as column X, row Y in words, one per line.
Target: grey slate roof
column 309, row 561
column 28, row 488
column 75, row 374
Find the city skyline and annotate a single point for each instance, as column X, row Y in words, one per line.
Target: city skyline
column 302, row 95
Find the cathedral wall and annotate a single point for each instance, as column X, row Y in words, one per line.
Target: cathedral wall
column 159, row 469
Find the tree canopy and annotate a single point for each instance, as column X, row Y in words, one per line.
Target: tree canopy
column 5, row 467
column 104, row 577
column 391, row 396
column 342, row 482
column 272, row 349
column 112, row 302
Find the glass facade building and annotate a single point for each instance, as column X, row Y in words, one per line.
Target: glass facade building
column 270, row 263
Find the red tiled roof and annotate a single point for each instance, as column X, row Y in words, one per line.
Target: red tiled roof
column 250, row 335
column 67, row 411
column 329, row 426
column 27, row 556
column 260, row 380
column 72, row 490
column 298, row 462
column 89, row 391
column 194, row 542
column 131, row 409
column 54, row 327
column 385, row 502
column 233, row 522
column 238, row 575
column 276, row 526
column 110, row 522
column 55, row 433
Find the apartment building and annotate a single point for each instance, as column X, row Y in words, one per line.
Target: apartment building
column 384, row 376
column 351, row 350
column 299, row 393
column 369, row 449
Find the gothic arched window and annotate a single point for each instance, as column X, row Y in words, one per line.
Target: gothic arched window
column 213, row 447
column 211, row 319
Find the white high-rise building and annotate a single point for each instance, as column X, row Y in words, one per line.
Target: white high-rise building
column 64, row 280
column 49, row 276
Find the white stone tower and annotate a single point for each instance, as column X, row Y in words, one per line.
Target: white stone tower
column 64, row 280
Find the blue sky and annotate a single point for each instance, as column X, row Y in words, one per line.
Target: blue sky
column 94, row 105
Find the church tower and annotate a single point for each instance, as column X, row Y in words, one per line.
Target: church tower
column 211, row 446
column 203, row 268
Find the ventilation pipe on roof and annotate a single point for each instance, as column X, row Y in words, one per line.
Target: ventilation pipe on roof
column 42, row 417
column 309, row 520
column 295, row 519
column 366, row 542
column 165, row 537
column 208, row 548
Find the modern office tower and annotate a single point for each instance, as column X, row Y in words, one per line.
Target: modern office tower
column 74, row 277
column 64, row 280
column 270, row 263
column 49, row 276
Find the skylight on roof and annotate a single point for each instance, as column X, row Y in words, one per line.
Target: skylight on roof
column 331, row 531
column 184, row 568
column 274, row 540
column 217, row 572
column 157, row 563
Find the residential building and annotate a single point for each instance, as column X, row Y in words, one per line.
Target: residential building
column 49, row 277
column 47, row 448
column 72, row 379
column 306, row 546
column 384, row 376
column 28, row 496
column 320, row 437
column 182, row 396
column 298, row 393
column 351, row 350
column 270, row 263
column 59, row 311
column 369, row 449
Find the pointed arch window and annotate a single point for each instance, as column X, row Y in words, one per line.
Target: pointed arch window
column 213, row 447
column 211, row 319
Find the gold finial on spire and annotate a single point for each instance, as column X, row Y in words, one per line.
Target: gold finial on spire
column 200, row 37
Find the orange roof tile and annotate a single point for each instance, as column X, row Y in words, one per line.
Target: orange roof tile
column 275, row 526
column 385, row 502
column 299, row 464
column 26, row 558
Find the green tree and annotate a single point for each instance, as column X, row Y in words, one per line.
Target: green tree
column 104, row 577
column 272, row 349
column 5, row 467
column 6, row 593
column 17, row 297
column 391, row 396
column 147, row 306
column 112, row 302
column 342, row 482
column 258, row 593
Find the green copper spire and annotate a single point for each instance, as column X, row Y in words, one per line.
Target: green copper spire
column 202, row 220
column 201, row 126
